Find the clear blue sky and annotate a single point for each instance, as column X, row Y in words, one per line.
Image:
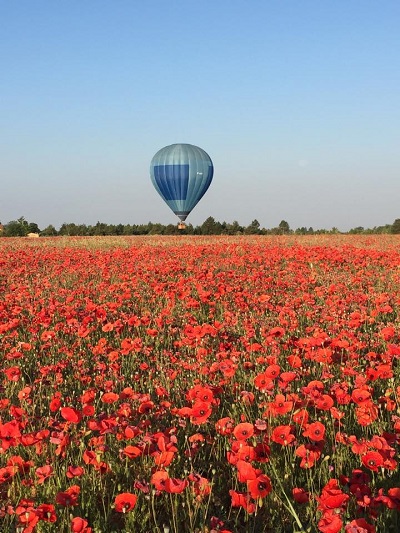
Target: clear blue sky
column 297, row 102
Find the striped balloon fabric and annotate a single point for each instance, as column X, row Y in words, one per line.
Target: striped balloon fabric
column 181, row 173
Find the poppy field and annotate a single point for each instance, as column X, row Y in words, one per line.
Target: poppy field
column 222, row 384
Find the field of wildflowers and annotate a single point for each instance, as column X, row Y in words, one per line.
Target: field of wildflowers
column 212, row 385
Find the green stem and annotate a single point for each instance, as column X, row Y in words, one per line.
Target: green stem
column 290, row 506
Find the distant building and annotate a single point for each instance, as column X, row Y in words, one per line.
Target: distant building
column 33, row 235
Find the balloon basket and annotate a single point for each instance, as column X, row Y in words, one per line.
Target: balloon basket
column 181, row 225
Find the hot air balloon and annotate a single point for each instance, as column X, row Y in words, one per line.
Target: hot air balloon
column 181, row 173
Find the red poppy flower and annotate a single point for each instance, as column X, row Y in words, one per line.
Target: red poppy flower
column 55, row 403
column 277, row 332
column 127, row 393
column 84, row 332
column 9, row 435
column 309, row 454
column 183, row 411
column 272, row 372
column 359, row 525
column 280, row 405
column 247, row 397
column 225, row 426
column 43, row 473
column 263, row 383
column 336, row 413
column 19, row 464
column 300, row 495
column 244, row 452
column 324, row 402
column 391, row 500
column 132, row 452
column 332, row 497
column 198, row 392
column 200, row 486
column 330, row 523
column 372, row 460
column 79, row 525
column 69, row 498
column 384, row 371
column 13, row 373
column 145, row 407
column 301, row 417
column 46, row 512
column 366, row 414
column 361, row 396
column 27, row 515
column 175, row 486
column 243, row 431
column 200, row 412
column 340, row 391
column 260, row 424
column 163, row 459
column 314, row 389
column 71, row 415
column 74, row 471
column 24, row 394
column 90, row 458
column 125, row 502
column 47, row 335
column 166, row 443
column 282, row 435
column 4, row 403
column 242, row 500
column 294, row 361
column 159, row 478
column 387, row 332
column 262, row 452
column 7, row 473
column 130, row 432
column 315, row 431
column 358, row 477
column 110, row 397
column 245, row 471
column 260, row 486
column 227, row 367
column 286, row 377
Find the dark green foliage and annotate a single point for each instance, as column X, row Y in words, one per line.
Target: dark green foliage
column 21, row 227
column 396, row 226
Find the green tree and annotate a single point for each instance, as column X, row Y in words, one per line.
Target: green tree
column 395, row 226
column 128, row 229
column 172, row 229
column 234, row 229
column 253, row 228
column 16, row 228
column 50, row 231
column 301, row 231
column 387, row 228
column 101, row 229
column 33, row 228
column 357, row 231
column 284, row 227
column 156, row 229
column 210, row 227
column 69, row 229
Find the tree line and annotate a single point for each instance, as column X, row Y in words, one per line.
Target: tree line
column 21, row 228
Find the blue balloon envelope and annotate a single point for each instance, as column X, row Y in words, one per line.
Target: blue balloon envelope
column 181, row 173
